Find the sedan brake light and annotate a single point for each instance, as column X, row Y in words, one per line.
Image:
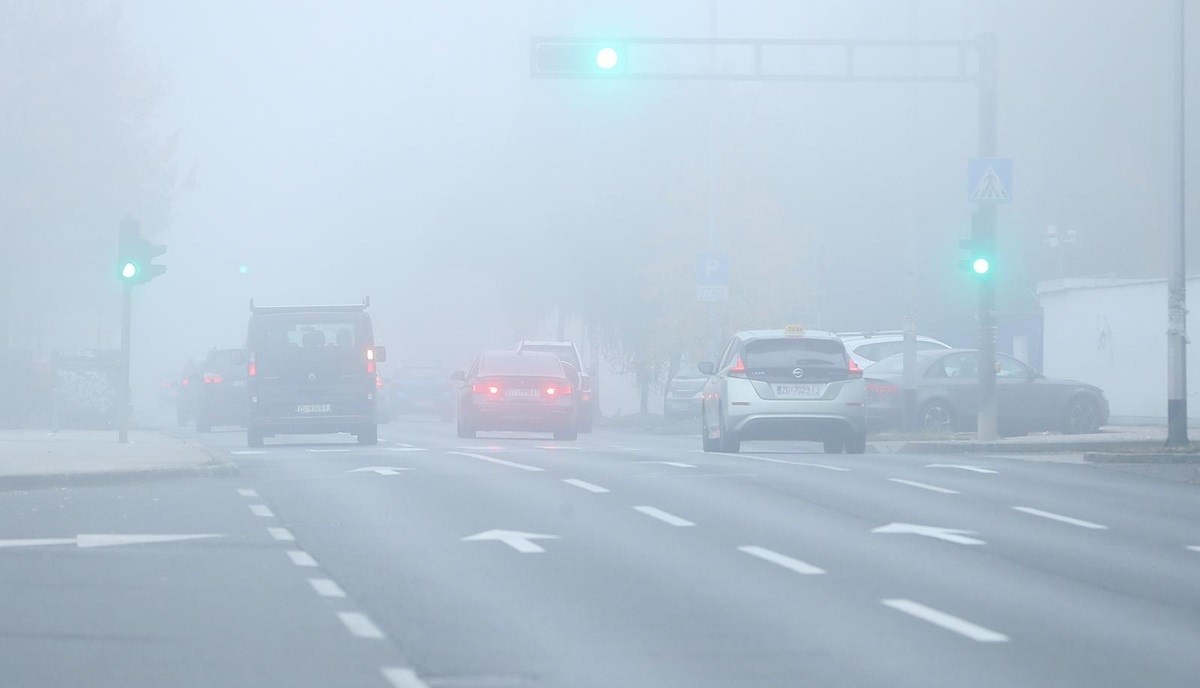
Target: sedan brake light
column 487, row 388
column 555, row 391
column 213, row 379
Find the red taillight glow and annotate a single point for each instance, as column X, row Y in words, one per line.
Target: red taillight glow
column 252, row 369
column 378, row 382
column 184, row 382
column 553, row 391
column 854, row 369
column 489, row 388
column 882, row 388
column 213, row 379
column 738, row 369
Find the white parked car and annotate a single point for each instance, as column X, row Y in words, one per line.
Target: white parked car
column 867, row 348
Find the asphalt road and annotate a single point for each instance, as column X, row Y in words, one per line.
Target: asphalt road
column 618, row 560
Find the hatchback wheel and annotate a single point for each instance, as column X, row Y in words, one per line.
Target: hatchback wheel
column 937, row 417
column 834, row 446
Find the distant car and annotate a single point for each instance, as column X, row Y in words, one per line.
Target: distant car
column 421, row 388
column 788, row 384
column 682, row 396
column 186, row 393
column 220, row 390
column 868, row 348
column 948, row 393
column 568, row 353
column 529, row 391
column 311, row 370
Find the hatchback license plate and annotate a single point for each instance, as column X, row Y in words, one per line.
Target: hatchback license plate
column 522, row 392
column 314, row 408
column 799, row 391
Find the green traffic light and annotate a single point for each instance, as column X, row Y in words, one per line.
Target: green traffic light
column 607, row 58
column 129, row 271
column 981, row 266
column 243, row 269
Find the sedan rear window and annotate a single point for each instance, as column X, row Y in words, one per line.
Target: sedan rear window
column 797, row 351
column 881, row 350
column 520, row 365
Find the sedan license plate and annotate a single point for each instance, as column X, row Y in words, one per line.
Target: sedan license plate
column 239, row 383
column 314, row 408
column 519, row 392
column 799, row 391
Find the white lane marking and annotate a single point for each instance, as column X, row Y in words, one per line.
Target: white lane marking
column 502, row 462
column 281, row 534
column 403, row 449
column 245, row 452
column 88, row 540
column 924, row 486
column 327, row 451
column 670, row 519
column 301, row 558
column 973, row 469
column 790, row 463
column 247, row 492
column 401, row 677
column 1194, row 548
column 954, row 535
column 381, row 470
column 585, row 485
column 521, row 541
column 670, row 463
column 261, row 510
column 1059, row 517
column 326, row 587
column 946, row 621
column 406, row 446
column 360, row 625
column 785, row 561
column 555, row 446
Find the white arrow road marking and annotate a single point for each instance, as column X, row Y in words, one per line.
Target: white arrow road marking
column 381, row 470
column 301, row 558
column 502, row 462
column 946, row 621
column 84, row 540
column 669, row 519
column 326, row 587
column 583, row 484
column 281, row 534
column 518, row 540
column 923, row 486
column 400, row 677
column 261, row 510
column 670, row 463
column 1059, row 517
column 360, row 625
column 782, row 560
column 973, row 469
column 790, row 463
column 948, row 534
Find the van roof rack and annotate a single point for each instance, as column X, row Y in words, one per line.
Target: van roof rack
column 331, row 308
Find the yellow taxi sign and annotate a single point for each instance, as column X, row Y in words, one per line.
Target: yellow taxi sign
column 793, row 330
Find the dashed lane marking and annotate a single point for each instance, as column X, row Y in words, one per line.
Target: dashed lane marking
column 401, row 677
column 669, row 519
column 326, row 587
column 923, row 486
column 301, row 558
column 360, row 625
column 281, row 534
column 950, row 623
column 261, row 510
column 785, row 561
column 247, row 492
column 502, row 462
column 585, row 485
column 1060, row 518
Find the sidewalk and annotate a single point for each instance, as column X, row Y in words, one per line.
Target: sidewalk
column 37, row 458
column 1110, row 440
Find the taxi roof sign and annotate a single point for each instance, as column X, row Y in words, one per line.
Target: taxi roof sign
column 793, row 330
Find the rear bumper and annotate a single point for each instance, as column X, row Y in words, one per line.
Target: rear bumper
column 310, row 425
column 687, row 406
column 798, row 426
column 521, row 418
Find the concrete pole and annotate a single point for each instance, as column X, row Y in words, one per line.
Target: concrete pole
column 983, row 230
column 1177, row 425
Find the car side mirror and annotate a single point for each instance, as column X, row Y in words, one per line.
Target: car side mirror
column 458, row 376
column 707, row 368
column 380, row 354
column 239, row 358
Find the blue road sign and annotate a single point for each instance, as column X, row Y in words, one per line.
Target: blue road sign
column 989, row 180
column 712, row 270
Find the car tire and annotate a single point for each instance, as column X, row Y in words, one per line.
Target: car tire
column 1082, row 416
column 369, row 435
column 936, row 416
column 568, row 434
column 254, row 437
column 465, row 431
column 834, row 446
column 585, row 423
column 728, row 442
column 856, row 443
column 706, row 442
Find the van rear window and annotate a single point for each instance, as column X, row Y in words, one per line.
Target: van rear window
column 794, row 351
column 312, row 336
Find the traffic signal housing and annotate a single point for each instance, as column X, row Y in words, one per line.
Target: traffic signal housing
column 979, row 257
column 552, row 57
column 135, row 256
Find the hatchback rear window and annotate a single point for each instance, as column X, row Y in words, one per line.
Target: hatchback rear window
column 566, row 354
column 797, row 351
column 881, row 350
column 520, row 365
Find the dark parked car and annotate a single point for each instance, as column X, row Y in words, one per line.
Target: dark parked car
column 682, row 396
column 421, row 388
column 508, row 390
column 219, row 390
column 947, row 395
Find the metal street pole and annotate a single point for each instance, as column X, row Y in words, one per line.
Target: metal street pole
column 1177, row 420
column 126, row 396
column 983, row 231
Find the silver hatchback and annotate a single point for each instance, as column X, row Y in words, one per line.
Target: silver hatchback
column 788, row 384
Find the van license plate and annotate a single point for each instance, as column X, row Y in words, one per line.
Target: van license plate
column 799, row 391
column 314, row 408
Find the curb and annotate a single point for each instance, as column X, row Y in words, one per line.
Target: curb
column 1067, row 447
column 1161, row 457
column 215, row 469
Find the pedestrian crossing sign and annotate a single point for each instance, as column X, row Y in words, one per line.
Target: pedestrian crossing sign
column 989, row 180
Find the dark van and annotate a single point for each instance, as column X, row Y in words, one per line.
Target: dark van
column 311, row 369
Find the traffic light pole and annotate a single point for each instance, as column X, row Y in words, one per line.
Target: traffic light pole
column 1177, row 415
column 983, row 232
column 126, row 396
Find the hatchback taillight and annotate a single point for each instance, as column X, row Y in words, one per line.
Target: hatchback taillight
column 882, row 388
column 853, row 368
column 738, row 369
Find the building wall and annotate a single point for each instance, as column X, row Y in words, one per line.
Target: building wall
column 1112, row 333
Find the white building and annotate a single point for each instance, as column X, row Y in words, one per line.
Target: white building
column 1112, row 333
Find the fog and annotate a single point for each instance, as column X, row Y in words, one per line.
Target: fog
column 402, row 151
